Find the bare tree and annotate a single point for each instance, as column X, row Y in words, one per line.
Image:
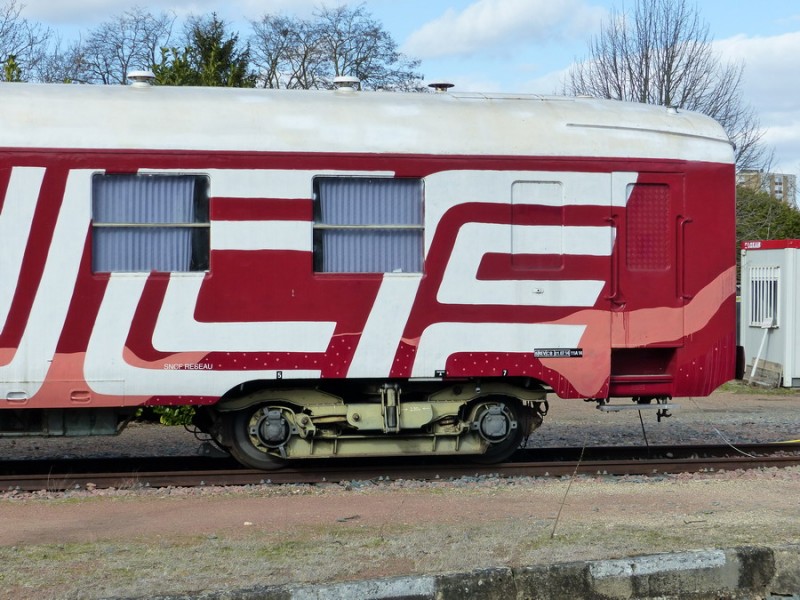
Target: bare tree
column 61, row 65
column 130, row 41
column 662, row 53
column 23, row 44
column 287, row 53
column 299, row 53
column 357, row 45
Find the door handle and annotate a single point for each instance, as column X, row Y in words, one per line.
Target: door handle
column 613, row 294
column 680, row 267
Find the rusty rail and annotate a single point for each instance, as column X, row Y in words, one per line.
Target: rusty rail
column 59, row 476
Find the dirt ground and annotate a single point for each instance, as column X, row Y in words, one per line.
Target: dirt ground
column 122, row 543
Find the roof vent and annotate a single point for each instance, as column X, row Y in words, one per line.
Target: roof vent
column 672, row 110
column 440, row 86
column 346, row 83
column 141, row 79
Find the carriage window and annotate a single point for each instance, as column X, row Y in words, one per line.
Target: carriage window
column 367, row 225
column 144, row 223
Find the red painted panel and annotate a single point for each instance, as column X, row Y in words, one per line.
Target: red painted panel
column 5, row 176
column 256, row 209
column 280, row 285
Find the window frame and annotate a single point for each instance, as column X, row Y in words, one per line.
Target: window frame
column 765, row 284
column 200, row 251
column 319, row 227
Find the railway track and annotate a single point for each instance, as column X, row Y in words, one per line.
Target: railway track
column 194, row 471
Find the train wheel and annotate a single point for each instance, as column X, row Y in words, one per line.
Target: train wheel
column 254, row 432
column 498, row 421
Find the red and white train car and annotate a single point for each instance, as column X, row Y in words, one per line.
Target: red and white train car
column 340, row 273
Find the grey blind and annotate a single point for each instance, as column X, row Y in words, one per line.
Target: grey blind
column 368, row 225
column 144, row 223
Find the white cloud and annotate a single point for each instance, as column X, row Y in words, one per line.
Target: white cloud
column 87, row 13
column 495, row 25
column 771, row 65
column 784, row 137
column 63, row 12
column 771, row 87
column 547, row 84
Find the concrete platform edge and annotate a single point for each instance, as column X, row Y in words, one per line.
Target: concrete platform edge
column 739, row 573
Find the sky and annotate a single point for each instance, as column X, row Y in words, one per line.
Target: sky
column 523, row 46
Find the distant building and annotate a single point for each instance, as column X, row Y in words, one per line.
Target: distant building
column 778, row 185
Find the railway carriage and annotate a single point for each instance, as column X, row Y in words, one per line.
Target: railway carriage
column 346, row 273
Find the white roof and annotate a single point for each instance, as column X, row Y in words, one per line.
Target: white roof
column 184, row 118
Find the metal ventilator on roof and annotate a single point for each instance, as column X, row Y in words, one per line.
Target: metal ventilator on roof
column 346, row 83
column 141, row 79
column 440, row 87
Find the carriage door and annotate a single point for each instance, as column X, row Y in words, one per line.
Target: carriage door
column 650, row 260
column 561, row 254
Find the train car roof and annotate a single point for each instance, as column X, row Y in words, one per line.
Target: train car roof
column 257, row 120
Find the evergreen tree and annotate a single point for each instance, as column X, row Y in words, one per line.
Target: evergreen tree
column 211, row 57
column 11, row 69
column 759, row 216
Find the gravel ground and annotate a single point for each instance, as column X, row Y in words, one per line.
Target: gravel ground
column 122, row 543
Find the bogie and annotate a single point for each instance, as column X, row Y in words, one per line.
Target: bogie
column 486, row 423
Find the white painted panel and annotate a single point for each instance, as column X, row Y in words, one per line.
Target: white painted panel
column 54, row 294
column 384, row 328
column 16, row 218
column 178, row 331
column 460, row 284
column 262, row 235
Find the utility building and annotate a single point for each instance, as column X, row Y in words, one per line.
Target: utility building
column 770, row 313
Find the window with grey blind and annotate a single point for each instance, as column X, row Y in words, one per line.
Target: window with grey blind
column 367, row 225
column 144, row 223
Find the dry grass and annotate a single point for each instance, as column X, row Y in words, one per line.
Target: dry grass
column 602, row 518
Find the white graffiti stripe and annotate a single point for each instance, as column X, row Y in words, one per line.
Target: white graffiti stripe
column 387, row 320
column 448, row 189
column 460, row 284
column 265, row 183
column 622, row 186
column 261, row 235
column 178, row 331
column 104, row 355
column 441, row 340
column 27, row 370
column 16, row 218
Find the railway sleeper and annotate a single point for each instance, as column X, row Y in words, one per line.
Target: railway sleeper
column 266, row 428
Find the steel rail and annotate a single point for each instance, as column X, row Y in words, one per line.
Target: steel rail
column 220, row 472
